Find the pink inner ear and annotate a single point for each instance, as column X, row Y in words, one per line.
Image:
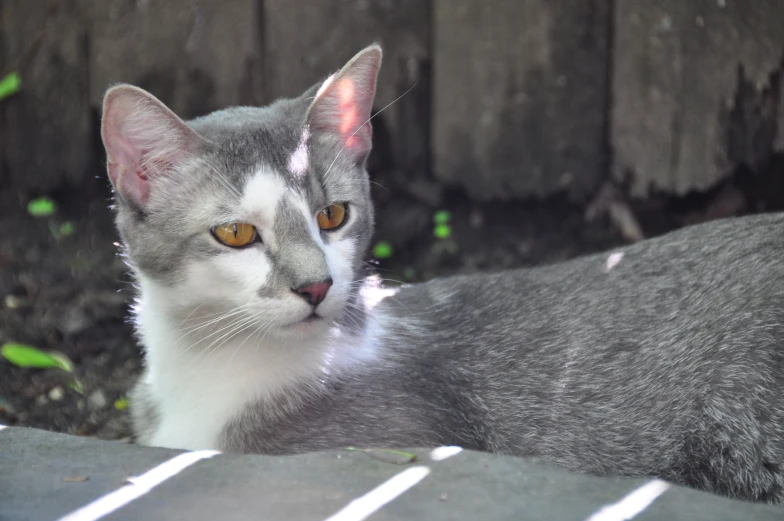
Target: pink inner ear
column 125, row 162
column 348, row 109
column 343, row 104
column 143, row 140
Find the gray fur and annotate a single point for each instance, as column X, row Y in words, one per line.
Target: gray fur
column 669, row 364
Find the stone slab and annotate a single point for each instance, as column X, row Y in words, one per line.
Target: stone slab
column 315, row 486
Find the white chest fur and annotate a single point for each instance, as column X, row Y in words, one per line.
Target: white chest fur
column 196, row 391
column 197, row 396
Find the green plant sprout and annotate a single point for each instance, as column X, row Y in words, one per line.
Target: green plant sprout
column 67, row 228
column 383, row 250
column 60, row 230
column 41, row 207
column 10, row 84
column 27, row 356
column 442, row 217
column 442, row 231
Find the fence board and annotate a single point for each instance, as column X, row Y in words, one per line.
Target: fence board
column 690, row 90
column 47, row 136
column 306, row 41
column 521, row 96
column 196, row 55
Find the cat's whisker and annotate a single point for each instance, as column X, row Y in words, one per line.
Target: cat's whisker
column 379, row 185
column 246, row 326
column 219, row 315
column 236, row 328
column 247, row 337
column 359, row 313
column 392, row 280
column 266, row 330
column 259, row 334
column 355, row 330
column 232, row 323
column 191, row 314
column 269, row 326
column 201, row 325
column 216, row 347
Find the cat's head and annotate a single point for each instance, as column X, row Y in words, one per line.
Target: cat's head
column 265, row 211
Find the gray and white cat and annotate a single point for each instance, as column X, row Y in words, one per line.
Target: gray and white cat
column 246, row 231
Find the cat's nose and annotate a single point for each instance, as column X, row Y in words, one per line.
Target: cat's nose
column 314, row 292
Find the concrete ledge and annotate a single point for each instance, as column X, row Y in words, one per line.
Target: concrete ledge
column 48, row 476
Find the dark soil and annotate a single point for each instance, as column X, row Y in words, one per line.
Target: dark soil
column 67, row 294
column 71, row 293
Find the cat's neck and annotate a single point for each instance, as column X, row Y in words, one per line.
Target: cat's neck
column 217, row 371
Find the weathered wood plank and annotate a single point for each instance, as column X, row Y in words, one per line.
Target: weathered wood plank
column 520, row 91
column 691, row 90
column 47, row 138
column 306, row 41
column 195, row 55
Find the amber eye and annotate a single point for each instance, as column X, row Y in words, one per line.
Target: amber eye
column 332, row 216
column 235, row 235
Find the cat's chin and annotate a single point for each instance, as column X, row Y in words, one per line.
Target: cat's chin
column 309, row 326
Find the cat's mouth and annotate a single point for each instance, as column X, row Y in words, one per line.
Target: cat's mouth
column 313, row 318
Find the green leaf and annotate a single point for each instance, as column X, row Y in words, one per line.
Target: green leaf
column 10, row 84
column 442, row 217
column 67, row 228
column 26, row 356
column 397, row 457
column 383, row 250
column 41, row 207
column 121, row 403
column 76, row 386
column 442, row 231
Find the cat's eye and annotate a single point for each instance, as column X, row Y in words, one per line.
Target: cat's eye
column 235, row 235
column 331, row 217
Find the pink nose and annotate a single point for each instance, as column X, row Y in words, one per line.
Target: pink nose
column 314, row 293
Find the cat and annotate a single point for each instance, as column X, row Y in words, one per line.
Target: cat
column 262, row 332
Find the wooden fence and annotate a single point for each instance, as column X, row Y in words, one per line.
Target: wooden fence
column 513, row 98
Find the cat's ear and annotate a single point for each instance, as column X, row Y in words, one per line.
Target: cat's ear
column 143, row 139
column 344, row 101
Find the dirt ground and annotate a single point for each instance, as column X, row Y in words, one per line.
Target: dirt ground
column 71, row 293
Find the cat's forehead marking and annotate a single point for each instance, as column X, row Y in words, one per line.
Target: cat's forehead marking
column 262, row 194
column 299, row 160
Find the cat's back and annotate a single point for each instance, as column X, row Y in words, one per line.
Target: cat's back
column 738, row 255
column 631, row 347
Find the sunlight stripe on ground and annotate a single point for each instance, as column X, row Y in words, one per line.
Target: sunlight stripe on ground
column 137, row 486
column 364, row 506
column 633, row 503
column 442, row 453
